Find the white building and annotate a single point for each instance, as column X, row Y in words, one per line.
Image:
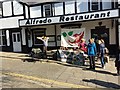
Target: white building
column 23, row 22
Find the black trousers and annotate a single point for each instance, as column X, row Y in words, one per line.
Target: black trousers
column 45, row 51
column 92, row 62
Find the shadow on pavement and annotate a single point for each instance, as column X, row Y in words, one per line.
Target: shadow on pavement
column 103, row 83
column 105, row 72
column 71, row 65
column 100, row 71
column 29, row 60
column 10, row 57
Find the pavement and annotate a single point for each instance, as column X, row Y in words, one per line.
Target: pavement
column 73, row 74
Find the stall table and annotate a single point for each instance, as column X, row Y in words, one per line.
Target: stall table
column 72, row 56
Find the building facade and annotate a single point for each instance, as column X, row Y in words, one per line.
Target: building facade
column 22, row 23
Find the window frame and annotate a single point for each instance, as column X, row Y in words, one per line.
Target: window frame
column 103, row 3
column 34, row 36
column 12, row 9
column 73, row 2
column 2, row 34
column 40, row 9
column 44, row 10
column 54, row 9
column 95, row 1
column 82, row 1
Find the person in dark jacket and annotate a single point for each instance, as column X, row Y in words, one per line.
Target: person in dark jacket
column 102, row 52
column 117, row 62
column 92, row 53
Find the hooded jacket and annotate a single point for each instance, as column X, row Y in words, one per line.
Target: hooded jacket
column 92, row 49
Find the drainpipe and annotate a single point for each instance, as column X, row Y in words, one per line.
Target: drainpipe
column 56, row 40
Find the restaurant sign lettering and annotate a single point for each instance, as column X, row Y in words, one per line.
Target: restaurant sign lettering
column 70, row 18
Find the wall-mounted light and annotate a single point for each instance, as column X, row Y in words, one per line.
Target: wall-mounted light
column 100, row 23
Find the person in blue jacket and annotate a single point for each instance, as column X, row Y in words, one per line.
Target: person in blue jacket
column 92, row 52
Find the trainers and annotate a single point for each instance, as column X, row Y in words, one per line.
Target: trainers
column 103, row 67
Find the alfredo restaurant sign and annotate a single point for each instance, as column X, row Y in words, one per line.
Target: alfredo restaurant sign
column 70, row 18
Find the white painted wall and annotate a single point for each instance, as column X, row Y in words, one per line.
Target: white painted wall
column 23, row 36
column 87, row 25
column 10, row 22
column 8, row 37
column 26, row 11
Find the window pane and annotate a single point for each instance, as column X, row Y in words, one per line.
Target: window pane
column 70, row 7
column 0, row 10
column 106, row 4
column 14, row 37
column 47, row 10
column 3, row 39
column 35, row 11
column 58, row 7
column 95, row 5
column 82, row 6
column 3, row 32
column 7, row 8
column 18, row 8
column 38, row 34
column 0, row 32
column 18, row 37
column 0, row 40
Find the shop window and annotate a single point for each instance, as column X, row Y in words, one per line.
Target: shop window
column 35, row 11
column 18, row 8
column 58, row 9
column 2, row 38
column 70, row 7
column 106, row 4
column 82, row 6
column 36, row 34
column 95, row 5
column 7, row 8
column 47, row 10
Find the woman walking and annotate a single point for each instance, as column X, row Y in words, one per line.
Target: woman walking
column 102, row 52
column 117, row 61
column 92, row 53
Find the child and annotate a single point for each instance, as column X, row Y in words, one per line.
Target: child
column 117, row 63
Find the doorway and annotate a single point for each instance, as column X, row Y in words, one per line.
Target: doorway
column 101, row 32
column 16, row 42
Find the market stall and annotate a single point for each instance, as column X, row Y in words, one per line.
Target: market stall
column 76, row 57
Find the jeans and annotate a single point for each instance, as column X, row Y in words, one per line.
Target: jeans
column 102, row 60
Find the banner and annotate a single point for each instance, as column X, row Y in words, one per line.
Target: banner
column 72, row 37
